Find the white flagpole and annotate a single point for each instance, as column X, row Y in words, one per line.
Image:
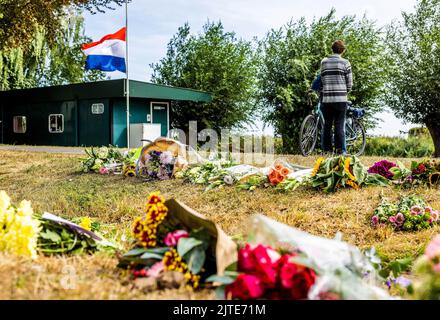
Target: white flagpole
column 127, row 85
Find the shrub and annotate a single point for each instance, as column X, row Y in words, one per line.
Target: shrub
column 412, row 147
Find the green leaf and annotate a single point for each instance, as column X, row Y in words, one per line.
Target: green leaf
column 196, row 259
column 224, row 280
column 185, row 245
column 150, row 255
column 50, row 235
column 135, row 252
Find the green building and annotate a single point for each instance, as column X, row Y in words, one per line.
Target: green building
column 87, row 114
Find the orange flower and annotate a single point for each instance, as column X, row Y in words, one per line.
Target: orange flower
column 279, row 167
column 273, row 174
column 280, row 177
column 285, row 172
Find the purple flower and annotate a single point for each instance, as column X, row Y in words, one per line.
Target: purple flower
column 166, row 158
column 403, row 282
column 383, row 168
column 375, row 220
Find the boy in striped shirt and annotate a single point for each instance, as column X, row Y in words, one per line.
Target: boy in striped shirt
column 337, row 81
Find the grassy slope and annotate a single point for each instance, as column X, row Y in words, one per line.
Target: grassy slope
column 53, row 184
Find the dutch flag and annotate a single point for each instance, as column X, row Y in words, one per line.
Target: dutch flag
column 108, row 54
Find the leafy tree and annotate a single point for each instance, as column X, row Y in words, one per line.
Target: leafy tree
column 22, row 20
column 414, row 78
column 214, row 61
column 291, row 58
column 44, row 64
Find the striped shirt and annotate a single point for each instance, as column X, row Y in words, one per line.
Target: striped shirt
column 337, row 79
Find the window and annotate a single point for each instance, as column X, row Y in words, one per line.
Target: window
column 97, row 108
column 20, row 124
column 56, row 123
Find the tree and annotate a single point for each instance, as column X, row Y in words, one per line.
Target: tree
column 291, row 58
column 22, row 20
column 414, row 78
column 214, row 61
column 44, row 64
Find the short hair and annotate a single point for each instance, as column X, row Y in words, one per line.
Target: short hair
column 338, row 47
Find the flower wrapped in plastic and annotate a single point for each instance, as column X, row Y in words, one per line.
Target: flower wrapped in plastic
column 343, row 271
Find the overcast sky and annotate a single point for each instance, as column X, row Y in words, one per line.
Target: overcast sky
column 153, row 23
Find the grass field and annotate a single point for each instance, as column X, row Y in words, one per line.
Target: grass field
column 53, row 183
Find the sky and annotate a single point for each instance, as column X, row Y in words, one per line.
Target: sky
column 153, row 23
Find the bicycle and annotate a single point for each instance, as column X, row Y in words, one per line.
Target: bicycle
column 313, row 125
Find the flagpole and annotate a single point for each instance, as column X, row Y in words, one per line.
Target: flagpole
column 127, row 85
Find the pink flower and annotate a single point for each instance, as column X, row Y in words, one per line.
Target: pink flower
column 416, row 210
column 173, row 238
column 433, row 249
column 375, row 220
column 246, row 259
column 245, row 287
column 155, row 270
column 435, row 215
column 436, row 268
column 393, row 220
column 400, row 218
column 103, row 171
column 428, row 210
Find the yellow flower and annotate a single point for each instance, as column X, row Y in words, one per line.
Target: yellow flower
column 86, row 223
column 353, row 184
column 19, row 231
column 5, row 201
column 347, row 164
column 317, row 166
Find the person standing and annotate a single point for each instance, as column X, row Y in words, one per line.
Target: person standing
column 337, row 82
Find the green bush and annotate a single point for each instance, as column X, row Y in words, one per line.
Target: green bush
column 412, row 147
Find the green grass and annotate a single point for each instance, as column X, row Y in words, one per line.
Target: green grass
column 53, row 183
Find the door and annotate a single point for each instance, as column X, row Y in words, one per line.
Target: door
column 161, row 115
column 94, row 123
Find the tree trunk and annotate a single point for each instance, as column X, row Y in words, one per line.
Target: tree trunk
column 434, row 129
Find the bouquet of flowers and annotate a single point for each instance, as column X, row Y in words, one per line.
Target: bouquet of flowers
column 60, row 236
column 334, row 173
column 302, row 267
column 158, row 165
column 383, row 168
column 103, row 160
column 265, row 273
column 278, row 174
column 427, row 272
column 19, row 230
column 169, row 238
column 425, row 172
column 409, row 214
column 212, row 174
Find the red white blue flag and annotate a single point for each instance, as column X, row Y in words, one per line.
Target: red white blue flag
column 107, row 54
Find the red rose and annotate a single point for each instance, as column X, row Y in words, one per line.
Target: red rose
column 266, row 261
column 246, row 259
column 302, row 282
column 245, row 287
column 287, row 270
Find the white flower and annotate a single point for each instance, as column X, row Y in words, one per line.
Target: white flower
column 166, row 157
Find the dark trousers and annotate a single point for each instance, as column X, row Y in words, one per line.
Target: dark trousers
column 334, row 114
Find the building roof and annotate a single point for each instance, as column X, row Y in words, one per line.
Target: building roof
column 106, row 89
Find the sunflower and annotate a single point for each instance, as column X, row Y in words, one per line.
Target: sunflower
column 353, row 184
column 347, row 164
column 317, row 166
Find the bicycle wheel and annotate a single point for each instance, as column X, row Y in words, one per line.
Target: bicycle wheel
column 355, row 137
column 308, row 135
